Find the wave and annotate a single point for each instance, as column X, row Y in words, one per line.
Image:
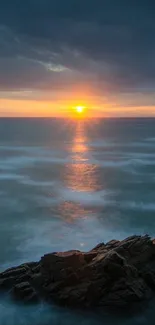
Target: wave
column 114, row 144
column 140, row 206
column 99, row 198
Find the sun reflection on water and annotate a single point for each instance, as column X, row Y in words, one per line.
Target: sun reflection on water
column 81, row 173
column 80, row 176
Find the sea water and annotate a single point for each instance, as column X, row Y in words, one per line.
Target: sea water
column 67, row 184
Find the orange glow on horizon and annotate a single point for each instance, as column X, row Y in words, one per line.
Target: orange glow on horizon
column 67, row 109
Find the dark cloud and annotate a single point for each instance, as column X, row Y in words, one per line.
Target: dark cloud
column 55, row 43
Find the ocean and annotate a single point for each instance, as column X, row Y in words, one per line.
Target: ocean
column 67, row 184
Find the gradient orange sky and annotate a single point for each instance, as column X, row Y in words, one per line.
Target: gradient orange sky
column 95, row 107
column 61, row 102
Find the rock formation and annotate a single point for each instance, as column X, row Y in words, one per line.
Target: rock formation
column 119, row 273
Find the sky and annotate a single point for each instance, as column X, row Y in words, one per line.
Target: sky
column 58, row 54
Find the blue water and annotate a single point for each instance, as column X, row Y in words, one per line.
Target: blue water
column 69, row 185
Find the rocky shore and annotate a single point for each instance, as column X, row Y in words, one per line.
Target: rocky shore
column 116, row 274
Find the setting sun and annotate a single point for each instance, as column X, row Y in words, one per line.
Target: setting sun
column 80, row 109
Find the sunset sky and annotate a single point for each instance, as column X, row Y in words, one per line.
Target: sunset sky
column 56, row 54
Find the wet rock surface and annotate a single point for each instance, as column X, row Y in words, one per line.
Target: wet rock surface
column 116, row 274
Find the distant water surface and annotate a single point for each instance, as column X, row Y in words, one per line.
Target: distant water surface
column 69, row 185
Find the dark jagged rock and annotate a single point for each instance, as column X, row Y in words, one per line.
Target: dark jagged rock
column 119, row 273
column 25, row 292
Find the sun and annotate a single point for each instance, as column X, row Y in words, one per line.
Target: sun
column 79, row 112
column 80, row 109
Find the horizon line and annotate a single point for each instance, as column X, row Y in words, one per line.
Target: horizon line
column 77, row 119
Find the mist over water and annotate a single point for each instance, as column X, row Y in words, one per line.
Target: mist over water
column 70, row 185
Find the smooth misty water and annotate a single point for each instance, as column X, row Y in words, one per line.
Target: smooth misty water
column 69, row 185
